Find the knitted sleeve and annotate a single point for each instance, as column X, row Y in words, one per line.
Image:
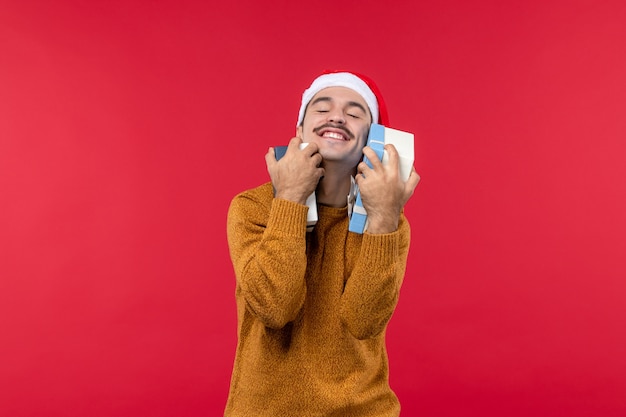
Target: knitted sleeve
column 267, row 242
column 372, row 290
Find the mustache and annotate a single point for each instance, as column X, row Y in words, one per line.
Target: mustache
column 334, row 126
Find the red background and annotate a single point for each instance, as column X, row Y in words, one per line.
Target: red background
column 127, row 126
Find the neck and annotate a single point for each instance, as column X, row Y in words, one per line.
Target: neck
column 334, row 187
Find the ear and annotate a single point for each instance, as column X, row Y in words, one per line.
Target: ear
column 299, row 132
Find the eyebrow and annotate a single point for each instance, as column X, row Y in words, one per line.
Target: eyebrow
column 350, row 103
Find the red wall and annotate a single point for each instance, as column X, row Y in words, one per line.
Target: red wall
column 127, row 126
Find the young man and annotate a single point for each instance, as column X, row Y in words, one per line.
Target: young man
column 313, row 306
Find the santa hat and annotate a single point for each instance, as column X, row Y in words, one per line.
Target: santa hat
column 354, row 81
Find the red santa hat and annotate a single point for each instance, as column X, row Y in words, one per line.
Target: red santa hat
column 354, row 81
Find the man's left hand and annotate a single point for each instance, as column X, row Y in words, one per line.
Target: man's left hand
column 383, row 191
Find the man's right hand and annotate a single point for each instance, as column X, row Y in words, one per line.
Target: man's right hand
column 297, row 173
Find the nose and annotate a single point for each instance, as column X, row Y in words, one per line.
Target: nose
column 336, row 116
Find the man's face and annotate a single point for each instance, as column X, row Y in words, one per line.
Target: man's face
column 337, row 119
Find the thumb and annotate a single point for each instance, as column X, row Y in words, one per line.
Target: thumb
column 270, row 157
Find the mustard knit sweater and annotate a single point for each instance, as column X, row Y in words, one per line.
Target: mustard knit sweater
column 312, row 311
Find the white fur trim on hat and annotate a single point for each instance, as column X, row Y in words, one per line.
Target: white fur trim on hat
column 340, row 79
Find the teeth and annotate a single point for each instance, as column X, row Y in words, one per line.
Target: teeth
column 333, row 135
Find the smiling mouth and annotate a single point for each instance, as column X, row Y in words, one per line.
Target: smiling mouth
column 333, row 132
column 334, row 135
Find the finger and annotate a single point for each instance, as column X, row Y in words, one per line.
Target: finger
column 311, row 149
column 358, row 178
column 363, row 169
column 270, row 157
column 414, row 172
column 317, row 159
column 294, row 143
column 413, row 180
column 271, row 153
column 392, row 155
column 373, row 158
